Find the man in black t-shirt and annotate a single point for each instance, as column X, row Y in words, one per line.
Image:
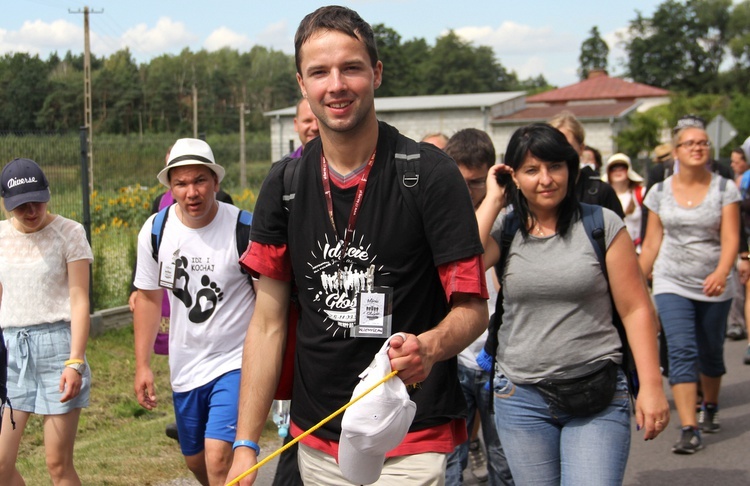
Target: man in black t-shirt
column 352, row 232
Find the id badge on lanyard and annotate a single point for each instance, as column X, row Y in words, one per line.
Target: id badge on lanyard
column 374, row 310
column 167, row 274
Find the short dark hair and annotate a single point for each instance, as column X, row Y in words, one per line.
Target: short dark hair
column 741, row 151
column 335, row 18
column 547, row 144
column 597, row 155
column 471, row 148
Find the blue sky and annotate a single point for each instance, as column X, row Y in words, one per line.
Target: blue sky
column 531, row 37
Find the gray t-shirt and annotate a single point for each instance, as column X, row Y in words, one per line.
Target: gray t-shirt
column 691, row 245
column 558, row 313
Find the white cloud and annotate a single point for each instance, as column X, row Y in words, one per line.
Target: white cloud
column 37, row 37
column 277, row 36
column 225, row 37
column 165, row 36
column 511, row 38
column 617, row 55
column 531, row 68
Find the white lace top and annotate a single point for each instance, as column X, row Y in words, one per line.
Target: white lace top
column 34, row 272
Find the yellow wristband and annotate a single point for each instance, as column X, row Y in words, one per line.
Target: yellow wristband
column 74, row 361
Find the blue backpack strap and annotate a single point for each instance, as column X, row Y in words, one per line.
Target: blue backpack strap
column 242, row 234
column 242, row 230
column 745, row 183
column 157, row 228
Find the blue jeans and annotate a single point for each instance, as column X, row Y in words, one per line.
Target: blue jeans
column 545, row 446
column 473, row 383
column 695, row 332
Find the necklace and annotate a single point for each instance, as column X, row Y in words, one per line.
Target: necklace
column 539, row 231
column 690, row 203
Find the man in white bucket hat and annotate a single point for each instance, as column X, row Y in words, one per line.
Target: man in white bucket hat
column 191, row 248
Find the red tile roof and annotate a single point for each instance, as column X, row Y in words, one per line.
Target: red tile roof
column 598, row 88
column 582, row 112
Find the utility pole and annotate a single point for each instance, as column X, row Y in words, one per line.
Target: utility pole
column 87, row 118
column 243, row 169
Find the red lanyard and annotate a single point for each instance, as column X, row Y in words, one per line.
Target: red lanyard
column 356, row 206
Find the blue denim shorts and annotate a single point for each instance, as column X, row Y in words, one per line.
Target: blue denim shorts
column 207, row 412
column 36, row 360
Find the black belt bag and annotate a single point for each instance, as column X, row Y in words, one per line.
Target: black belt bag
column 585, row 395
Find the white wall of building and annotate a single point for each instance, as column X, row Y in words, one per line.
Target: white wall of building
column 416, row 124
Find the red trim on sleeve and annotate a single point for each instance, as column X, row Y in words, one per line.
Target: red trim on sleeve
column 268, row 260
column 464, row 276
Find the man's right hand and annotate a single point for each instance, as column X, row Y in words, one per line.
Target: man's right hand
column 244, row 459
column 144, row 388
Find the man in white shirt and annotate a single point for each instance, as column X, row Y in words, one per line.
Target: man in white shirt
column 211, row 299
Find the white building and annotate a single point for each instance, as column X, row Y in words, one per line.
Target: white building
column 601, row 103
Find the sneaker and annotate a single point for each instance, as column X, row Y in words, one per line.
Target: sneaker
column 172, row 431
column 690, row 441
column 746, row 359
column 478, row 461
column 735, row 332
column 708, row 419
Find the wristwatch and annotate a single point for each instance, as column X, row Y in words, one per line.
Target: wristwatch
column 79, row 367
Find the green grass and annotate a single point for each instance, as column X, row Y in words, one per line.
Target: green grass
column 118, row 443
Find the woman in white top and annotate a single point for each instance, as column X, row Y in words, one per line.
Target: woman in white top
column 691, row 247
column 628, row 185
column 44, row 314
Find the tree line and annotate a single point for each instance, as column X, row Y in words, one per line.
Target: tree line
column 698, row 49
column 158, row 96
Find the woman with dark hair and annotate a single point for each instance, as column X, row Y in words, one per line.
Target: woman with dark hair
column 557, row 326
column 691, row 244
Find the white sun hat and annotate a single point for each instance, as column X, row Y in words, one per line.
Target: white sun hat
column 190, row 151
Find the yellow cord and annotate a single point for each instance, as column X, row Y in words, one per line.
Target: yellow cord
column 310, row 430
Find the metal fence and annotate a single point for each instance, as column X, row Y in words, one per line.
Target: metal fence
column 123, row 187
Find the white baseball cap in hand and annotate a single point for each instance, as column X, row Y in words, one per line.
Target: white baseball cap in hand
column 375, row 424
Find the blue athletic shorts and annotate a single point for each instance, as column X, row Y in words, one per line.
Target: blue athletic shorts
column 36, row 360
column 207, row 412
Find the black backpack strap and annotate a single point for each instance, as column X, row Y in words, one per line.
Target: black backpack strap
column 487, row 357
column 593, row 223
column 291, row 183
column 157, row 229
column 407, row 167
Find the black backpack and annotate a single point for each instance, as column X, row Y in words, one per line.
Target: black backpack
column 593, row 222
column 407, row 165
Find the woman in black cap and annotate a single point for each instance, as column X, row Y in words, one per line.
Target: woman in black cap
column 44, row 313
